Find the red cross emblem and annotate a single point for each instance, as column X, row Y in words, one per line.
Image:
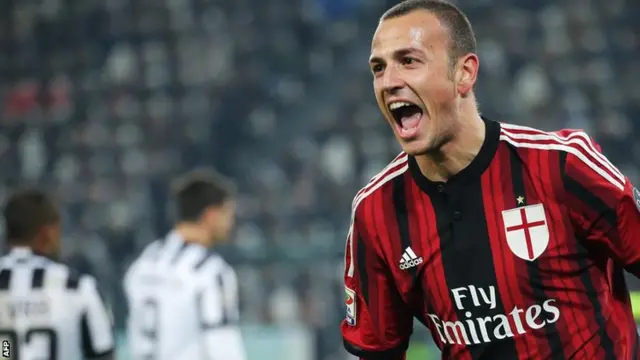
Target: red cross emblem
column 526, row 231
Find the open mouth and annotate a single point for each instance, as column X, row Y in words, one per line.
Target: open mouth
column 406, row 115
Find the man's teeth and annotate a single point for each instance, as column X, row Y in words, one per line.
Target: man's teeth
column 398, row 105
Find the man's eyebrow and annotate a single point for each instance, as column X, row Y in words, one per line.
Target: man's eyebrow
column 397, row 53
column 407, row 51
column 375, row 60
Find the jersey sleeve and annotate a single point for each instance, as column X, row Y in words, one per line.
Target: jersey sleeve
column 96, row 321
column 604, row 205
column 219, row 317
column 377, row 324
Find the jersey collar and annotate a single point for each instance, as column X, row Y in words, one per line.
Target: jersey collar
column 21, row 251
column 23, row 254
column 472, row 172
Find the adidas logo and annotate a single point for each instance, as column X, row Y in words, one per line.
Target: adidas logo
column 409, row 259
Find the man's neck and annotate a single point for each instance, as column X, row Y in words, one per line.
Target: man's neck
column 457, row 153
column 193, row 233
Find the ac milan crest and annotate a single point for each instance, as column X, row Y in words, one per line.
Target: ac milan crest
column 526, row 231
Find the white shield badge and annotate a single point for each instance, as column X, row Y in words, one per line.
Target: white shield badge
column 527, row 231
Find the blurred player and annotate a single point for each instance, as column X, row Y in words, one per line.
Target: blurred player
column 47, row 310
column 507, row 242
column 182, row 296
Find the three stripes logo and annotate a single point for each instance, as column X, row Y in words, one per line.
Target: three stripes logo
column 409, row 259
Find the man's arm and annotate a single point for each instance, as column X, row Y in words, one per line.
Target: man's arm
column 219, row 317
column 603, row 203
column 378, row 325
column 96, row 323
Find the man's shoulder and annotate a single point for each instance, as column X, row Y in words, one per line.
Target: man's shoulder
column 582, row 156
column 75, row 278
column 537, row 139
column 574, row 145
column 61, row 274
column 148, row 252
column 218, row 267
column 382, row 180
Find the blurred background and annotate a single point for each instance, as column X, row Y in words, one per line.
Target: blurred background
column 104, row 101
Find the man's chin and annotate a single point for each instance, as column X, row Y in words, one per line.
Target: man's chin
column 415, row 147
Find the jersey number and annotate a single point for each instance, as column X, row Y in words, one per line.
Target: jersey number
column 149, row 324
column 31, row 337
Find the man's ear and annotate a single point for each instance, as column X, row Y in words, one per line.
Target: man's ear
column 467, row 73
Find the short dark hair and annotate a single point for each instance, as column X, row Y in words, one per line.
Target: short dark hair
column 197, row 190
column 25, row 213
column 463, row 39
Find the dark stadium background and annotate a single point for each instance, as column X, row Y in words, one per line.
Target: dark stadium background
column 103, row 101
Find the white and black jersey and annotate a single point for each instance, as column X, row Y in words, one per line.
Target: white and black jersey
column 49, row 311
column 183, row 304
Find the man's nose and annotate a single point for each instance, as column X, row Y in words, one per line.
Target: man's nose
column 391, row 80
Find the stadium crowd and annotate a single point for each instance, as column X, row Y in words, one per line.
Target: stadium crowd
column 105, row 101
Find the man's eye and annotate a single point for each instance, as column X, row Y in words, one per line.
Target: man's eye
column 377, row 68
column 407, row 60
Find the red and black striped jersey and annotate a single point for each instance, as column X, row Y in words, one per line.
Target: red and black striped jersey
column 519, row 256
